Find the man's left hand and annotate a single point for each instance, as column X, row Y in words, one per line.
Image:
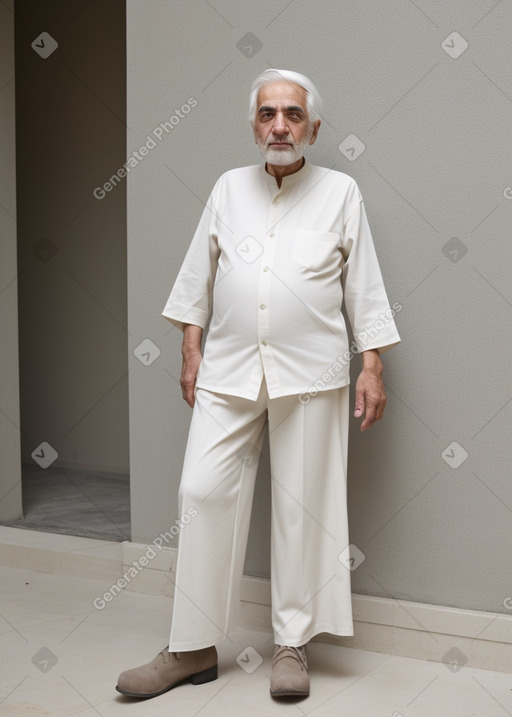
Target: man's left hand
column 370, row 393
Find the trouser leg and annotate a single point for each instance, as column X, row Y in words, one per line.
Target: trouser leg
column 308, row 455
column 219, row 471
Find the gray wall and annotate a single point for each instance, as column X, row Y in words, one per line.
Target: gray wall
column 10, row 473
column 71, row 133
column 434, row 175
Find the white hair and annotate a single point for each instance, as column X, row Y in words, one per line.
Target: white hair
column 313, row 100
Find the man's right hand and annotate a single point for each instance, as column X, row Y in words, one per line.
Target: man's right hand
column 192, row 357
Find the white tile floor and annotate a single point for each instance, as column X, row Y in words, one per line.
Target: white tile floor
column 60, row 656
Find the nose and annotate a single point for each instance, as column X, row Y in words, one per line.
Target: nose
column 279, row 127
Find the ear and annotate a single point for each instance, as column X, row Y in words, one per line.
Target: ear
column 316, row 127
column 255, row 135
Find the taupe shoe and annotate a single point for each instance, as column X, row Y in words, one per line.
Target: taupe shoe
column 289, row 672
column 167, row 670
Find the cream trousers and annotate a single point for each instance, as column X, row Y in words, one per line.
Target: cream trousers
column 310, row 585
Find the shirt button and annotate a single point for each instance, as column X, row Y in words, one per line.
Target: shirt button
column 264, row 343
column 262, row 306
column 275, row 202
column 265, row 268
column 272, row 234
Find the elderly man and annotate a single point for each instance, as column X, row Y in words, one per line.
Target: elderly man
column 279, row 247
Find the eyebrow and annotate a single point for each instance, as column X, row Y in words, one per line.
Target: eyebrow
column 290, row 108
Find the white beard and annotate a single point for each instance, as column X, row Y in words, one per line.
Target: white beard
column 283, row 157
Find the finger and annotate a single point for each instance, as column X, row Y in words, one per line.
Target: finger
column 380, row 409
column 380, row 406
column 187, row 391
column 359, row 403
column 191, row 395
column 370, row 416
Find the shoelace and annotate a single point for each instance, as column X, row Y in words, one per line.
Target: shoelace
column 297, row 653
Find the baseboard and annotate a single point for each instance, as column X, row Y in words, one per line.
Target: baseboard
column 60, row 554
column 396, row 627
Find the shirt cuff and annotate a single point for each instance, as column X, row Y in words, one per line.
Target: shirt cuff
column 381, row 345
column 180, row 315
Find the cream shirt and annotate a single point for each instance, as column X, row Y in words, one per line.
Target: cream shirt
column 270, row 267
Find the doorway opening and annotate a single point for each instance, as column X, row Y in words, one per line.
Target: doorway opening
column 70, row 62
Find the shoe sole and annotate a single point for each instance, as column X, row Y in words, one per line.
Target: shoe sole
column 289, row 693
column 198, row 678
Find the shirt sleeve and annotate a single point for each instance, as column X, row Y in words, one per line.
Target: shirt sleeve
column 366, row 302
column 190, row 300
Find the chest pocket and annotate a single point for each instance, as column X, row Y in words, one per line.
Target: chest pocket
column 315, row 250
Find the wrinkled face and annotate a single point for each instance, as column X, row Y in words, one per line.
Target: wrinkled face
column 282, row 128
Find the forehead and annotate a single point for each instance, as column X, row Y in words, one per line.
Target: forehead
column 281, row 93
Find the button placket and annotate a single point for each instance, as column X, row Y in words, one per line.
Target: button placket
column 275, row 213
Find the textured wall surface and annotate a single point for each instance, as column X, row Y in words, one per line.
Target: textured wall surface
column 417, row 106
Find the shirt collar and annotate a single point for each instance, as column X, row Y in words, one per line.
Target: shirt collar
column 288, row 179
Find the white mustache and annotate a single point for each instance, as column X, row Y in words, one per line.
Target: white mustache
column 281, row 141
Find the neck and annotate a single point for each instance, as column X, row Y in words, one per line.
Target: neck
column 279, row 171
